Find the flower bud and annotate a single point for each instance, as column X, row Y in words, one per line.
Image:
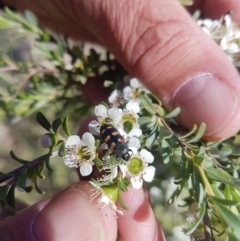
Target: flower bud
column 48, row 140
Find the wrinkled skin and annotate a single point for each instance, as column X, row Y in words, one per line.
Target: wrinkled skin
column 158, row 42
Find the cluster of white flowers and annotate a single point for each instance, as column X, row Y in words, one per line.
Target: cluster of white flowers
column 85, row 152
column 129, row 95
column 226, row 33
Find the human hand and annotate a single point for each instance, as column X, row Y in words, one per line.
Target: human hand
column 161, row 45
column 158, row 42
column 70, row 215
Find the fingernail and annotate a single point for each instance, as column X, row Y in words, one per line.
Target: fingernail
column 70, row 216
column 204, row 98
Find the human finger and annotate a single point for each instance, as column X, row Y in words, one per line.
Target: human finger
column 158, row 42
column 69, row 215
column 139, row 222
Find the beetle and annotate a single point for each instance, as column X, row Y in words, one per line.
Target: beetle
column 115, row 141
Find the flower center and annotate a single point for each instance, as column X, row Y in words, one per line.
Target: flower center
column 137, row 93
column 135, row 166
column 85, row 153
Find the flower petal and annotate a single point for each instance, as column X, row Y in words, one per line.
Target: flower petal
column 115, row 114
column 89, row 140
column 146, row 156
column 149, row 173
column 94, row 127
column 135, row 132
column 115, row 95
column 72, row 141
column 127, row 93
column 135, row 83
column 133, row 106
column 136, row 182
column 86, row 169
column 100, row 111
column 134, row 142
column 70, row 161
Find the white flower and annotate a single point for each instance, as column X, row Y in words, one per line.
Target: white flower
column 138, row 170
column 226, row 33
column 100, row 111
column 116, row 98
column 106, row 195
column 80, row 152
column 132, row 95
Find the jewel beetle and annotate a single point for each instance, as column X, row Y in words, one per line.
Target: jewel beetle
column 115, row 141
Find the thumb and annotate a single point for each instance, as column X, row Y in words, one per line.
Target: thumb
column 66, row 216
column 159, row 42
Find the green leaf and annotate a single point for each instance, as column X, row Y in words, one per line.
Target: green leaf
column 127, row 126
column 165, row 151
column 194, row 128
column 31, row 18
column 198, row 186
column 198, row 160
column 199, row 134
column 123, row 184
column 226, row 202
column 232, row 236
column 5, row 24
column 22, row 178
column 42, row 120
column 55, row 125
column 184, row 168
column 199, row 220
column 65, row 126
column 48, row 161
column 164, row 133
column 230, row 218
column 3, row 193
column 16, row 158
column 38, row 170
column 62, row 150
column 147, row 104
column 173, row 113
column 10, row 196
column 149, row 141
column 144, row 120
column 222, row 176
column 37, row 188
column 122, row 203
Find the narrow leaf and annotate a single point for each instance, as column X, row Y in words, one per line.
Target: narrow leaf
column 147, row 104
column 65, row 126
column 3, row 193
column 12, row 154
column 165, row 151
column 173, row 113
column 194, row 128
column 31, row 18
column 199, row 134
column 55, row 125
column 42, row 120
column 232, row 236
column 198, row 187
column 62, row 150
column 144, row 120
column 226, row 202
column 10, row 196
column 230, row 218
column 222, row 176
column 122, row 203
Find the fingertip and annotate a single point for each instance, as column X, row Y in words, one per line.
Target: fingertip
column 139, row 222
column 70, row 215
